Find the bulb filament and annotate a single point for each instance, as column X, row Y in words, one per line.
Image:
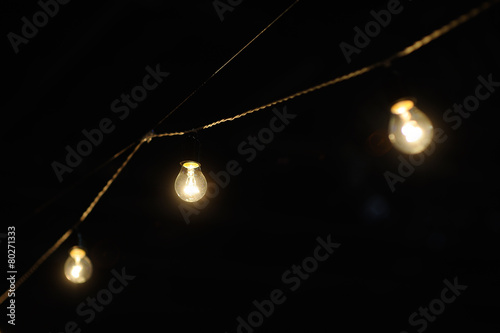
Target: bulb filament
column 75, row 271
column 191, row 188
column 411, row 131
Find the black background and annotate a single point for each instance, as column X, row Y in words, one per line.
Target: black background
column 323, row 175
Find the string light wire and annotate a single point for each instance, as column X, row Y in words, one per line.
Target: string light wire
column 56, row 197
column 384, row 63
column 230, row 59
column 69, row 232
column 146, row 138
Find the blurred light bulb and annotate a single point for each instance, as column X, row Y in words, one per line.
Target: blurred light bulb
column 410, row 130
column 78, row 267
column 190, row 184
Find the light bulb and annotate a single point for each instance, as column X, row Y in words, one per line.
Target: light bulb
column 190, row 184
column 78, row 267
column 410, row 130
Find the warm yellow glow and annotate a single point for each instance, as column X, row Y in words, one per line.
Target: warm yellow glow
column 77, row 253
column 190, row 184
column 402, row 106
column 75, row 271
column 191, row 164
column 78, row 267
column 191, row 189
column 410, row 130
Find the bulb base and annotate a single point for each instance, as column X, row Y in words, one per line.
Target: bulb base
column 77, row 252
column 190, row 164
column 402, row 105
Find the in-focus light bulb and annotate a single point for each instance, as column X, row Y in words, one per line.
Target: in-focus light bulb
column 410, row 130
column 190, row 184
column 78, row 267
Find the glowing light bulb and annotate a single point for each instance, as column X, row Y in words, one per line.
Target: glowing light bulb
column 78, row 267
column 410, row 130
column 190, row 184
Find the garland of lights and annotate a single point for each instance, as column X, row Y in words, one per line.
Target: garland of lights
column 410, row 131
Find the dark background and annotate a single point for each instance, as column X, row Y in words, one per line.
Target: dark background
column 323, row 175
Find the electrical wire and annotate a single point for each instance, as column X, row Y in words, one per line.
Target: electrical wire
column 68, row 233
column 146, row 138
column 43, row 206
column 227, row 62
column 56, row 197
column 384, row 63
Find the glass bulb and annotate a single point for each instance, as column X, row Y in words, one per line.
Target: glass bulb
column 78, row 267
column 410, row 130
column 190, row 184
